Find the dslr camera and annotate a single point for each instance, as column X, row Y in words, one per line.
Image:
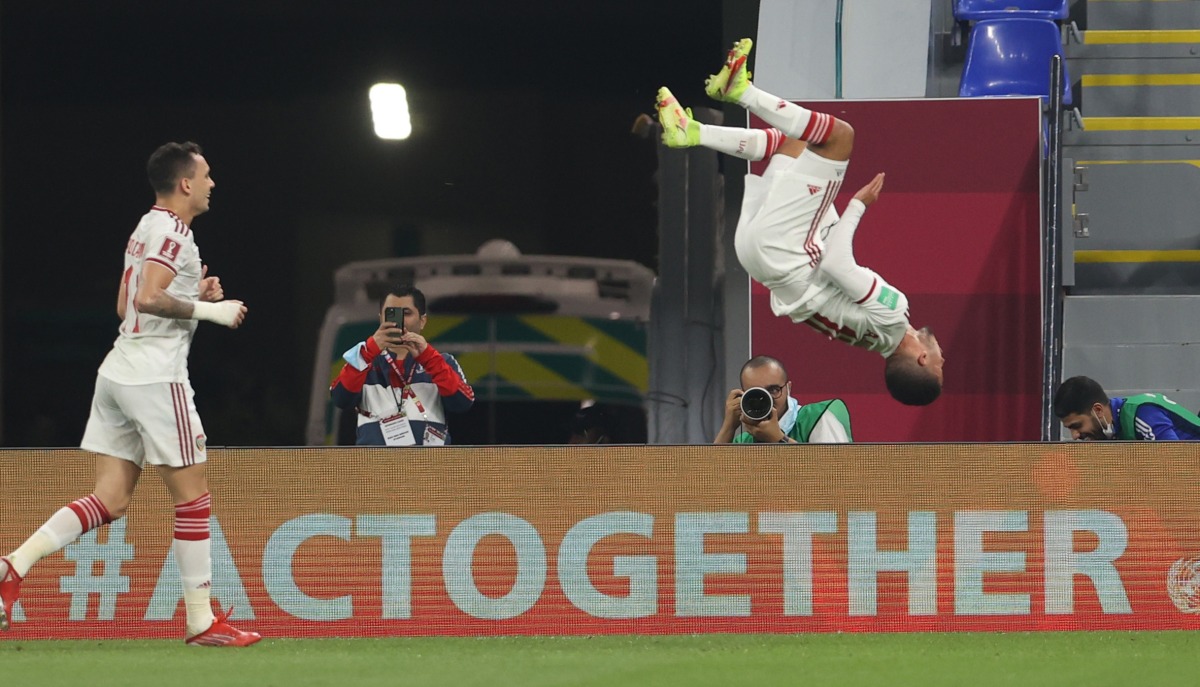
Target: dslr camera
column 757, row 403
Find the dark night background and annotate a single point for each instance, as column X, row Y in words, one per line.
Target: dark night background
column 521, row 119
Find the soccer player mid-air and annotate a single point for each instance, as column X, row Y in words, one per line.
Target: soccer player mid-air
column 143, row 410
column 789, row 237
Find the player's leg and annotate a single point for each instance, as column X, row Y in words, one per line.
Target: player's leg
column 110, row 434
column 193, row 552
column 192, row 543
column 175, row 444
column 827, row 135
column 778, row 239
column 681, row 130
column 115, row 480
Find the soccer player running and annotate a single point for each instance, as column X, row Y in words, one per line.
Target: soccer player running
column 143, row 410
column 789, row 237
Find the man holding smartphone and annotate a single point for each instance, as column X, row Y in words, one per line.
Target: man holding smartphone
column 401, row 386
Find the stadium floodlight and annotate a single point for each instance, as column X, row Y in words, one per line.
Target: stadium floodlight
column 389, row 110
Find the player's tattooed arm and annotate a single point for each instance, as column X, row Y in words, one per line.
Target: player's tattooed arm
column 165, row 305
column 152, row 297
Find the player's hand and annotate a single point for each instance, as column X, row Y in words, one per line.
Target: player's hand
column 415, row 343
column 870, row 193
column 733, row 407
column 210, row 287
column 231, row 313
column 388, row 336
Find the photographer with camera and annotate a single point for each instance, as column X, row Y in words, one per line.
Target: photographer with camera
column 763, row 411
column 400, row 386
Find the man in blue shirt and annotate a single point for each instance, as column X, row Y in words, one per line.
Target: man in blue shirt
column 1087, row 411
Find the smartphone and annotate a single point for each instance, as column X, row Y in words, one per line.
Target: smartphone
column 394, row 315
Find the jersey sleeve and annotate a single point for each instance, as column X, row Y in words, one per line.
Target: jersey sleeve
column 876, row 322
column 170, row 244
column 1152, row 423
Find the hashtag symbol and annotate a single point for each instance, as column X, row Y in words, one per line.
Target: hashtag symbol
column 88, row 551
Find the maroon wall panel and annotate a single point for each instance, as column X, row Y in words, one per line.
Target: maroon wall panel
column 957, row 229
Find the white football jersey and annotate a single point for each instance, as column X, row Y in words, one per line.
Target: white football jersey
column 149, row 348
column 877, row 323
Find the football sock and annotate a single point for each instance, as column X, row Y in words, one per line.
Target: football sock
column 193, row 553
column 64, row 527
column 748, row 144
column 792, row 119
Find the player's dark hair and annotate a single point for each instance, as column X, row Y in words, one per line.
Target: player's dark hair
column 170, row 163
column 402, row 290
column 1078, row 395
column 910, row 383
column 762, row 361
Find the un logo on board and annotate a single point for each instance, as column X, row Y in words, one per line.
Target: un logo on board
column 1183, row 584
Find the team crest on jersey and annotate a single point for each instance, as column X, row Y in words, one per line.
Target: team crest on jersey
column 201, row 442
column 813, row 190
column 170, row 250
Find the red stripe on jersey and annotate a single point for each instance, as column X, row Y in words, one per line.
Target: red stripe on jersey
column 870, row 291
column 833, row 328
column 164, row 263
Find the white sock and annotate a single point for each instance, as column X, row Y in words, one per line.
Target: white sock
column 61, row 529
column 195, row 572
column 790, row 118
column 748, row 144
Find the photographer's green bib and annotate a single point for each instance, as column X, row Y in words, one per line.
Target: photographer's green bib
column 807, row 418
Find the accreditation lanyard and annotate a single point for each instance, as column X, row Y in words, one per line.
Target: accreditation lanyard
column 406, row 390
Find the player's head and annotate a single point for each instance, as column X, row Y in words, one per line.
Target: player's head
column 913, row 373
column 1082, row 405
column 768, row 373
column 409, row 299
column 180, row 170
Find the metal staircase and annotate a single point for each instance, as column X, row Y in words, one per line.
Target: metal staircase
column 1131, row 169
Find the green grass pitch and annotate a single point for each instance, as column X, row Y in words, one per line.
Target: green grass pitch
column 1087, row 659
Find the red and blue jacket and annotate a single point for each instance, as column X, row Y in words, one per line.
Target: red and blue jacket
column 428, row 387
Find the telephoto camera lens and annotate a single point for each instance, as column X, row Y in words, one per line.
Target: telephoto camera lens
column 756, row 403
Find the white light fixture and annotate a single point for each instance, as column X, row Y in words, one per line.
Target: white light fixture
column 389, row 110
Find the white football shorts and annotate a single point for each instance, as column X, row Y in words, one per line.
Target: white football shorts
column 778, row 239
column 145, row 423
